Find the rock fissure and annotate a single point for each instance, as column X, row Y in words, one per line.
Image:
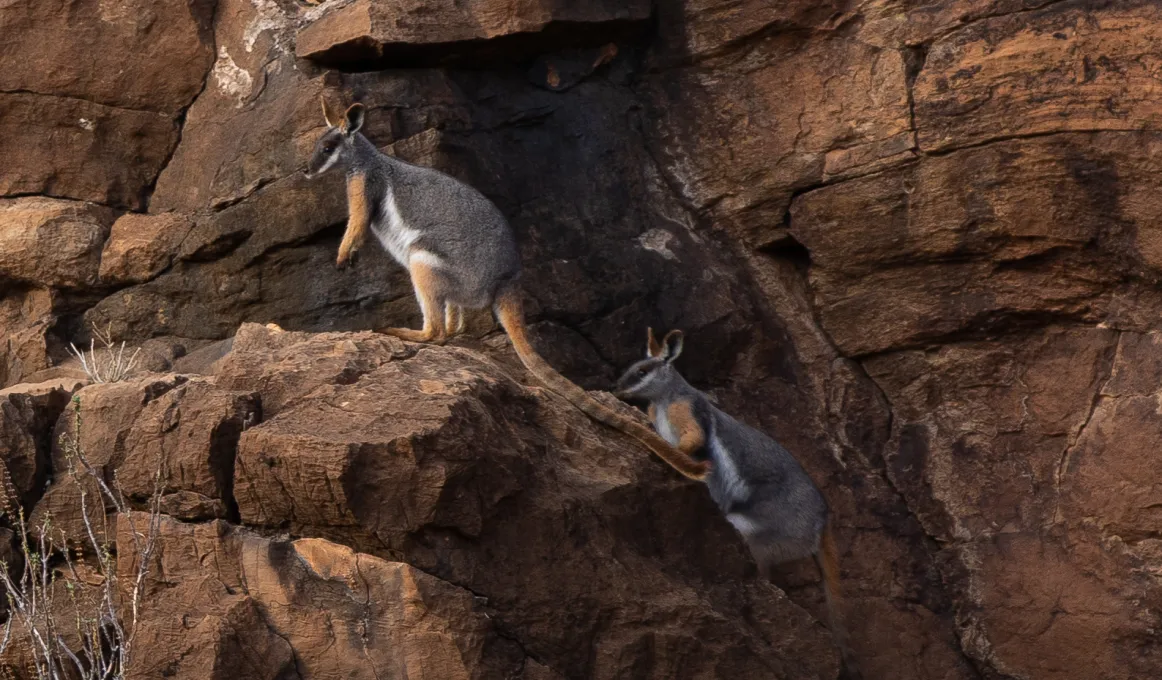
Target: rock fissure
column 1098, row 397
column 181, row 115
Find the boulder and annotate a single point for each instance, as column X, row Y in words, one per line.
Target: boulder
column 27, row 415
column 165, row 432
column 142, row 246
column 52, row 243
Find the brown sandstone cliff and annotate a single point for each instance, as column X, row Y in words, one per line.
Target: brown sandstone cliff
column 917, row 241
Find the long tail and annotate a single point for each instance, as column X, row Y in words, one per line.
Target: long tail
column 510, row 312
column 828, row 560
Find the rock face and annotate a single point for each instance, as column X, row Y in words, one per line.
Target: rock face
column 1060, row 68
column 917, row 242
column 92, row 91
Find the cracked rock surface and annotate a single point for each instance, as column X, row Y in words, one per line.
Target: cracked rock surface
column 919, row 242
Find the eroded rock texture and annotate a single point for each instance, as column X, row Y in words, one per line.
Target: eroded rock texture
column 918, row 242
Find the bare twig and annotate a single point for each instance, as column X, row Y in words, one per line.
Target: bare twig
column 104, row 632
column 109, row 363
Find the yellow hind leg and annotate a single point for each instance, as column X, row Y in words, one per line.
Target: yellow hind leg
column 425, row 281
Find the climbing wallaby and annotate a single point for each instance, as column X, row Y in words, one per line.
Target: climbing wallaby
column 758, row 485
column 460, row 252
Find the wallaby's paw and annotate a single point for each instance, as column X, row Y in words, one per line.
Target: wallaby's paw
column 701, row 469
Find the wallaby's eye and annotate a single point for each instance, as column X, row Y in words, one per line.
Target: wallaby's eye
column 329, row 148
column 642, row 372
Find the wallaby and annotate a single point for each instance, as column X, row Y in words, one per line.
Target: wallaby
column 460, row 253
column 758, row 484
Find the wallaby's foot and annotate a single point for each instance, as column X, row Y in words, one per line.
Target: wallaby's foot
column 412, row 335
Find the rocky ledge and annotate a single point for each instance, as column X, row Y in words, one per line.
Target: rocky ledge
column 346, row 503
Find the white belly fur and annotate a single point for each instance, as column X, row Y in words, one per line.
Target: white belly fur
column 727, row 471
column 396, row 236
column 744, row 525
column 664, row 428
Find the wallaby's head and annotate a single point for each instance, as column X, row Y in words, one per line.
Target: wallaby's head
column 655, row 375
column 337, row 145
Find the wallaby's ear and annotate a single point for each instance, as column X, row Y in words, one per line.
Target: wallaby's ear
column 653, row 347
column 328, row 114
column 353, row 119
column 673, row 345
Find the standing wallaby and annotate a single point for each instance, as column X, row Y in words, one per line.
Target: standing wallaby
column 460, row 253
column 758, row 485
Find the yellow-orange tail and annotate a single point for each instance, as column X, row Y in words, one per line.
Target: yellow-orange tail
column 828, row 560
column 510, row 312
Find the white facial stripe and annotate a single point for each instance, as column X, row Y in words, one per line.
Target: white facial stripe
column 641, row 385
column 330, row 160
